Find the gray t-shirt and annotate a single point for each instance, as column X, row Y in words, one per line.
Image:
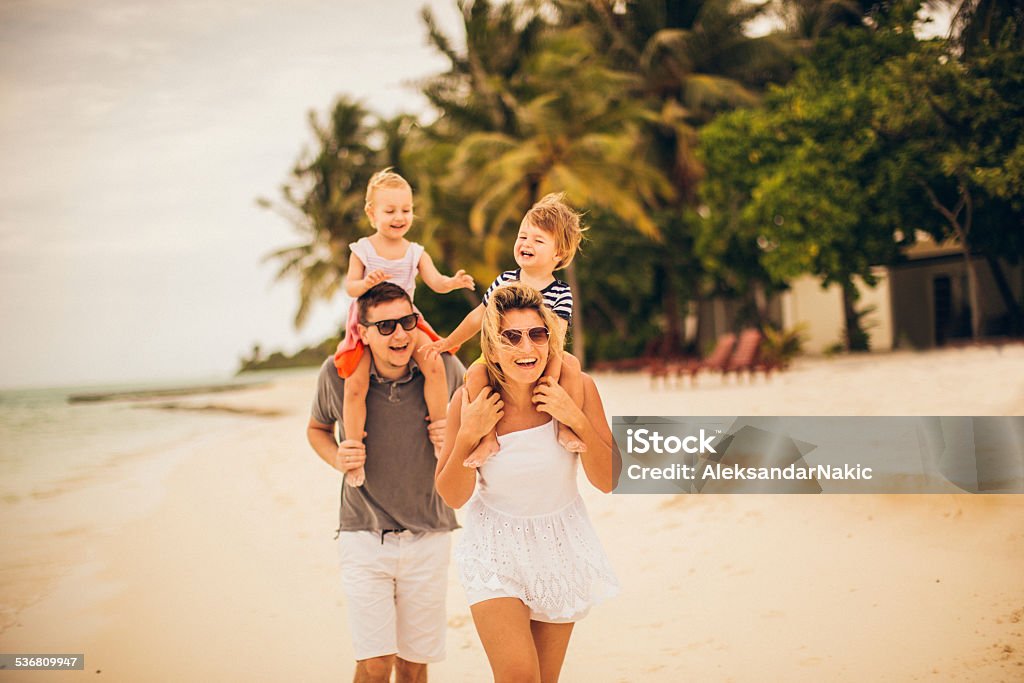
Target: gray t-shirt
column 399, row 491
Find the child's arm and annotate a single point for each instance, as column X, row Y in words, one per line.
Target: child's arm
column 355, row 284
column 600, row 456
column 441, row 283
column 469, row 327
column 467, row 423
column 554, row 367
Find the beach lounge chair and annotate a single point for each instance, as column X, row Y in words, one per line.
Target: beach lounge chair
column 745, row 357
column 716, row 360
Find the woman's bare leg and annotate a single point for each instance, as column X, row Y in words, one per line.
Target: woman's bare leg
column 551, row 641
column 505, row 630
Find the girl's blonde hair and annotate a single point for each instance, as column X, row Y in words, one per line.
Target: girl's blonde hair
column 552, row 215
column 384, row 178
column 514, row 297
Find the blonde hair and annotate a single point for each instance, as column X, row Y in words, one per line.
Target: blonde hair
column 384, row 178
column 552, row 215
column 514, row 297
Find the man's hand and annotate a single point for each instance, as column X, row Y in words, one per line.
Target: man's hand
column 435, row 349
column 351, row 455
column 435, row 432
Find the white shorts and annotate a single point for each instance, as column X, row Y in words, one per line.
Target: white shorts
column 475, row 595
column 396, row 592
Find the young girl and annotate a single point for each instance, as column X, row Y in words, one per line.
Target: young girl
column 548, row 239
column 387, row 255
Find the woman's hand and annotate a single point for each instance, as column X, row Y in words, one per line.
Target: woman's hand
column 481, row 415
column 549, row 397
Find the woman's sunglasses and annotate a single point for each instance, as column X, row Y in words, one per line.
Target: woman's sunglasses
column 538, row 335
column 387, row 327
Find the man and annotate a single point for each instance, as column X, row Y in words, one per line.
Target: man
column 394, row 536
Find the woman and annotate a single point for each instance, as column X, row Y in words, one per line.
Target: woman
column 528, row 558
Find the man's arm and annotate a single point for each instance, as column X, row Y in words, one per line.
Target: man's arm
column 325, row 413
column 343, row 457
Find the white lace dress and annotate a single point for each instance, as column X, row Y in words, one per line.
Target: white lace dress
column 527, row 535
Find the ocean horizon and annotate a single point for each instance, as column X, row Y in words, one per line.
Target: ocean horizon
column 48, row 439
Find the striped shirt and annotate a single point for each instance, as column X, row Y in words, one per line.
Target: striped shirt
column 557, row 295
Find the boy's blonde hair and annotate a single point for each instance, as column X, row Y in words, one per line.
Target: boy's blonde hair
column 552, row 215
column 384, row 178
column 513, row 297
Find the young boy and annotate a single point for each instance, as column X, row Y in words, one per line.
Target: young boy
column 548, row 239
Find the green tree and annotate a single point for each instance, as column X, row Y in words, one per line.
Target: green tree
column 805, row 184
column 693, row 60
column 979, row 24
column 961, row 141
column 807, row 21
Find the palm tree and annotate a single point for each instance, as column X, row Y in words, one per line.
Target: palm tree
column 576, row 132
column 479, row 90
column 324, row 196
column 694, row 59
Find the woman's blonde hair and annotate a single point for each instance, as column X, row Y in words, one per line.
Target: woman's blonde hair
column 384, row 178
column 514, row 297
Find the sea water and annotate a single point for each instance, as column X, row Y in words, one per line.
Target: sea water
column 48, row 443
column 73, row 472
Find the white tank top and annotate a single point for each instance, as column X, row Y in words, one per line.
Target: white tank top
column 530, row 475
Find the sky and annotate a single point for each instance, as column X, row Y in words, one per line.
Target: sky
column 136, row 137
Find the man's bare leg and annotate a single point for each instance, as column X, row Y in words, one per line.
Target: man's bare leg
column 409, row 672
column 374, row 669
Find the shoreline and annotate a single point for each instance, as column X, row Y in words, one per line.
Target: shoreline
column 170, row 392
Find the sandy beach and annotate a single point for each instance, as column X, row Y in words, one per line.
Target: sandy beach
column 217, row 561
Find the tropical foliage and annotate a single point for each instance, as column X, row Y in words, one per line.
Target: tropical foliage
column 709, row 161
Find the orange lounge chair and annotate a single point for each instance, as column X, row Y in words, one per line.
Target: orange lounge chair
column 716, row 360
column 745, row 358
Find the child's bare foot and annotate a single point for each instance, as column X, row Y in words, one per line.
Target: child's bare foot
column 356, row 477
column 568, row 440
column 484, row 450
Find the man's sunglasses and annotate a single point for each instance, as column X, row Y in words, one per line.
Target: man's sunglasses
column 387, row 327
column 538, row 335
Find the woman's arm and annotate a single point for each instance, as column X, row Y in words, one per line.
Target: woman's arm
column 468, row 423
column 601, row 460
column 442, row 284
